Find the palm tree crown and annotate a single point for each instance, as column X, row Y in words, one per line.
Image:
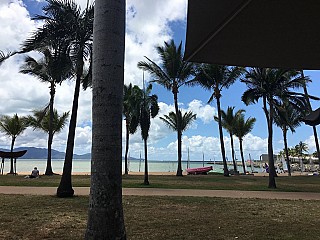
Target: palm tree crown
column 186, row 120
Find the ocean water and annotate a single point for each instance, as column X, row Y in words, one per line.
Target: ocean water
column 84, row 165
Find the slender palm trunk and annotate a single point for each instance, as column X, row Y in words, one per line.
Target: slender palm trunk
column 242, row 157
column 223, row 153
column 233, row 155
column 126, row 170
column 315, row 134
column 284, row 132
column 272, row 171
column 50, row 137
column 105, row 215
column 11, row 150
column 179, row 133
column 146, row 174
column 65, row 187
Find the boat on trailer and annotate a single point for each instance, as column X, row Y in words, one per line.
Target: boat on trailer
column 199, row 170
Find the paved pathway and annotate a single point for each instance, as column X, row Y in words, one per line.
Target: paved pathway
column 170, row 192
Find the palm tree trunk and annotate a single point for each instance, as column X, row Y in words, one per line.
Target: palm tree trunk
column 284, row 131
column 233, row 155
column 242, row 157
column 127, row 149
column 11, row 160
column 179, row 133
column 146, row 174
column 65, row 187
column 223, row 153
column 50, row 137
column 305, row 90
column 105, row 215
column 272, row 171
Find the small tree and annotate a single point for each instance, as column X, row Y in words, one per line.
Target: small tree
column 13, row 127
column 42, row 120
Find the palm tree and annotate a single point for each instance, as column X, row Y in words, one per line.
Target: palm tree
column 309, row 109
column 216, row 78
column 13, row 127
column 301, row 148
column 131, row 98
column 241, row 129
column 273, row 86
column 286, row 117
column 53, row 68
column 149, row 108
column 185, row 120
column 172, row 73
column 228, row 121
column 50, row 124
column 105, row 215
column 67, row 26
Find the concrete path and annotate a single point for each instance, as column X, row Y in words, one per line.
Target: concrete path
column 170, row 192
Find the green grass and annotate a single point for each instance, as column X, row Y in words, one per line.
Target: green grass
column 48, row 217
column 288, row 184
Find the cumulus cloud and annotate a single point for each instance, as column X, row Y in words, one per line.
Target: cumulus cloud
column 204, row 112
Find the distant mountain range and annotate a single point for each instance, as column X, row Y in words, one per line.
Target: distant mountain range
column 41, row 153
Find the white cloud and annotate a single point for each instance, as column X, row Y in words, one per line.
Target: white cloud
column 204, row 112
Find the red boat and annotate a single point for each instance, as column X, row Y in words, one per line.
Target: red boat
column 200, row 170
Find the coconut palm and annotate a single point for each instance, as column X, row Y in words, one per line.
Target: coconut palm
column 241, row 129
column 105, row 215
column 216, row 78
column 65, row 24
column 13, row 127
column 131, row 97
column 287, row 117
column 309, row 109
column 301, row 148
column 185, row 120
column 53, row 68
column 149, row 108
column 228, row 121
column 50, row 124
column 273, row 86
column 172, row 73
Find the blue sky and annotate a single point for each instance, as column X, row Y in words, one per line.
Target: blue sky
column 149, row 23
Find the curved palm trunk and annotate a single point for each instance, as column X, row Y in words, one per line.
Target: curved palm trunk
column 50, row 137
column 233, row 155
column 65, row 187
column 146, row 174
column 179, row 133
column 223, row 153
column 315, row 134
column 284, row 132
column 11, row 160
column 105, row 216
column 126, row 170
column 272, row 171
column 242, row 157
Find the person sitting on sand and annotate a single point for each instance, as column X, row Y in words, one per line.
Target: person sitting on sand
column 34, row 173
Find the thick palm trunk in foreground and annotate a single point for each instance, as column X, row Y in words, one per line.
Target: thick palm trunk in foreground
column 105, row 216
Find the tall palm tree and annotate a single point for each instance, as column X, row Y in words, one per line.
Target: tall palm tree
column 149, row 108
column 287, row 117
column 105, row 216
column 131, row 97
column 172, row 73
column 309, row 109
column 53, row 68
column 13, row 127
column 241, row 129
column 273, row 86
column 228, row 121
column 185, row 120
column 216, row 78
column 301, row 148
column 65, row 24
column 50, row 124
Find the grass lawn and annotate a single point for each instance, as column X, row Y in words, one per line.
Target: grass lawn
column 48, row 217
column 289, row 184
